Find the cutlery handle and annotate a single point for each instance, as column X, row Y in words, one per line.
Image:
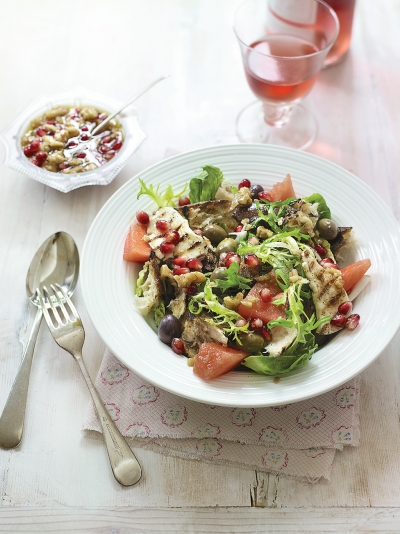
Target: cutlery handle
column 124, row 464
column 12, row 418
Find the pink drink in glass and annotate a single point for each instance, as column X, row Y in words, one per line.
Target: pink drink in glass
column 344, row 10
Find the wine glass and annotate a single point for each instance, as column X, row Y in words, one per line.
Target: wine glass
column 283, row 45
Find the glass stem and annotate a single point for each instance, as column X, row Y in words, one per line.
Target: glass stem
column 277, row 114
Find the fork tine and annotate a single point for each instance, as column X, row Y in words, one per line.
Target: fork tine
column 53, row 308
column 61, row 303
column 43, row 306
column 68, row 301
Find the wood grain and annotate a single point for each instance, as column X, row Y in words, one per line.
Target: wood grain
column 59, row 481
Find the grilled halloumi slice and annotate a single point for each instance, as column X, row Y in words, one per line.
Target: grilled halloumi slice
column 190, row 244
column 282, row 338
column 327, row 290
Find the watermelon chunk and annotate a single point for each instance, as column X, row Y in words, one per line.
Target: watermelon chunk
column 135, row 249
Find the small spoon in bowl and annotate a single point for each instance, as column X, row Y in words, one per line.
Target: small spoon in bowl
column 56, row 261
column 103, row 123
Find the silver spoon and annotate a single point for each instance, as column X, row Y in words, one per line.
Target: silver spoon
column 55, row 262
column 102, row 124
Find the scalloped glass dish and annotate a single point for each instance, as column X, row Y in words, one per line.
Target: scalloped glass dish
column 103, row 175
column 108, row 281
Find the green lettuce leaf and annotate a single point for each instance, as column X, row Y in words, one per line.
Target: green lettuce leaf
column 265, row 365
column 233, row 279
column 159, row 312
column 204, row 187
column 161, row 199
column 323, row 210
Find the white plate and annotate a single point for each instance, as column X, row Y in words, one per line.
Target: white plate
column 107, row 281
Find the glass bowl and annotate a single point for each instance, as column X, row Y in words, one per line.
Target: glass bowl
column 103, row 175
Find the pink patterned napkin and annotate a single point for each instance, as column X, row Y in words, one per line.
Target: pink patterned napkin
column 297, row 440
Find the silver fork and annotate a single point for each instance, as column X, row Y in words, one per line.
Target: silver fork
column 68, row 332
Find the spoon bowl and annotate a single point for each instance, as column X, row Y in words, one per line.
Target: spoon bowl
column 56, row 259
column 55, row 262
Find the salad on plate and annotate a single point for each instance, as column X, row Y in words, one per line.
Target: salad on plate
column 236, row 275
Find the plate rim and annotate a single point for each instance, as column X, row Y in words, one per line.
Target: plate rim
column 241, row 148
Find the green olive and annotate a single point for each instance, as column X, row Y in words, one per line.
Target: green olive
column 227, row 245
column 327, row 229
column 214, row 233
column 251, row 342
column 218, row 274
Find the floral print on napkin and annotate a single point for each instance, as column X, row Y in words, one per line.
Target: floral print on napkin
column 297, row 440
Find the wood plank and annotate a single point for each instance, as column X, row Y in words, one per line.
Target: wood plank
column 200, row 520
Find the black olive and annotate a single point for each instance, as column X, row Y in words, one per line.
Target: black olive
column 255, row 190
column 327, row 229
column 169, row 328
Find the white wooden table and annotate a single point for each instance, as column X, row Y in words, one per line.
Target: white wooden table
column 59, row 481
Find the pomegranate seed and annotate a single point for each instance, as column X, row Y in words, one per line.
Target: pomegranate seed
column 84, row 137
column 265, row 295
column 162, row 225
column 30, row 151
column 181, row 270
column 184, row 201
column 254, row 241
column 232, row 260
column 264, row 195
column 320, row 249
column 199, row 232
column 142, row 217
column 63, row 165
column 239, row 228
column 256, row 324
column 71, row 145
column 102, row 116
column 180, row 261
column 266, row 333
column 232, row 257
column 117, row 146
column 106, row 139
column 195, row 265
column 240, row 322
column 328, row 264
column 244, row 183
column 51, row 122
column 338, row 320
column 32, row 148
column 84, row 128
column 177, row 345
column 41, row 158
column 172, row 236
column 77, row 110
column 81, row 155
column 41, row 132
column 229, row 255
column 109, row 155
column 352, row 321
column 167, row 248
column 251, row 260
column 190, row 290
column 345, row 308
column 103, row 149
